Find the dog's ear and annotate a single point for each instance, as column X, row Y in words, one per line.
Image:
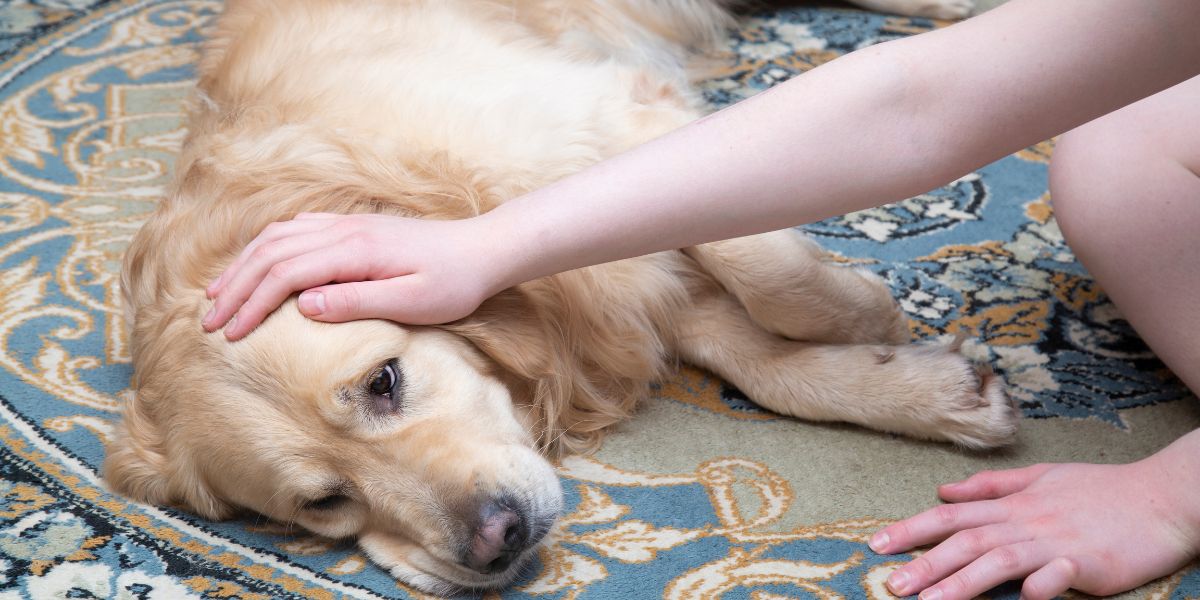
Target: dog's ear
column 509, row 329
column 531, row 334
column 137, row 465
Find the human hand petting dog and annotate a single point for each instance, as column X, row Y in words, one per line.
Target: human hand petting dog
column 409, row 270
column 735, row 173
column 1099, row 529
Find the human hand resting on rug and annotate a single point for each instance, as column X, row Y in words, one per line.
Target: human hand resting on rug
column 1099, row 529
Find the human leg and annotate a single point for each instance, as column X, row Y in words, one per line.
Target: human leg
column 1126, row 193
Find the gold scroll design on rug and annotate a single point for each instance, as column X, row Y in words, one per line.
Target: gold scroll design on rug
column 171, row 538
column 748, row 500
column 118, row 152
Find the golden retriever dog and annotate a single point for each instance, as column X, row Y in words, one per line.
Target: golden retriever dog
column 431, row 445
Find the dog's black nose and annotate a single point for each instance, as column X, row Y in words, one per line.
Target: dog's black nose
column 501, row 536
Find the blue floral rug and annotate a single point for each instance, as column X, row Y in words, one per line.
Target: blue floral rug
column 703, row 495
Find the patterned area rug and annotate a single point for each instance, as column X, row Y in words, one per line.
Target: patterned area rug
column 703, row 495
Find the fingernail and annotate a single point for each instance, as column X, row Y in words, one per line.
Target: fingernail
column 898, row 582
column 207, row 320
column 230, row 326
column 312, row 303
column 879, row 542
column 931, row 594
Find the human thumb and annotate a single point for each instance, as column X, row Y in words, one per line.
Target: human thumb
column 390, row 299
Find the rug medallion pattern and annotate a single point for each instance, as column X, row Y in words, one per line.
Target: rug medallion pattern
column 91, row 115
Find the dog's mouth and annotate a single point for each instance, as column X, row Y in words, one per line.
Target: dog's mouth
column 497, row 547
column 435, row 576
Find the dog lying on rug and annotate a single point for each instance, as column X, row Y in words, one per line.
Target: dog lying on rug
column 429, row 444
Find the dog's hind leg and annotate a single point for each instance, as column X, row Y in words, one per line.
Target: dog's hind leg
column 926, row 392
column 780, row 279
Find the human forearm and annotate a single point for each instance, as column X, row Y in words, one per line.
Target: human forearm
column 873, row 127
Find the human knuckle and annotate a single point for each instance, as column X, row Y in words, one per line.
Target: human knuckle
column 959, row 584
column 920, row 568
column 975, row 541
column 349, row 299
column 901, row 532
column 281, row 272
column 265, row 252
column 1007, row 557
column 905, row 531
column 1068, row 566
column 946, row 514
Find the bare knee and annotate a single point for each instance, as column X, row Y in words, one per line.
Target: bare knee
column 1095, row 179
column 1128, row 160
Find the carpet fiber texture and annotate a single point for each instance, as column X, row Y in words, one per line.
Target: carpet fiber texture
column 702, row 495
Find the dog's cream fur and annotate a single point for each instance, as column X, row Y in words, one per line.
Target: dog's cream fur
column 443, row 109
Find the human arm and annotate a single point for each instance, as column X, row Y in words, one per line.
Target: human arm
column 875, row 126
column 1099, row 529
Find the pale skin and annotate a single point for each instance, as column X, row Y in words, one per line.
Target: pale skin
column 875, row 126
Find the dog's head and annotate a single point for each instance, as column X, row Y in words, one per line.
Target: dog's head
column 405, row 438
column 425, row 444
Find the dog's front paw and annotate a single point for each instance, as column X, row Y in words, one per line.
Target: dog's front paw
column 972, row 409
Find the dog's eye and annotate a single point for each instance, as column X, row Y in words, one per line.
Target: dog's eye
column 385, row 382
column 385, row 389
column 329, row 502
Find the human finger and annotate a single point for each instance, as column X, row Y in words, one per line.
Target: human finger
column 323, row 265
column 997, row 566
column 403, row 299
column 274, row 267
column 309, row 216
column 988, row 485
column 958, row 551
column 271, row 233
column 935, row 525
column 1051, row 580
